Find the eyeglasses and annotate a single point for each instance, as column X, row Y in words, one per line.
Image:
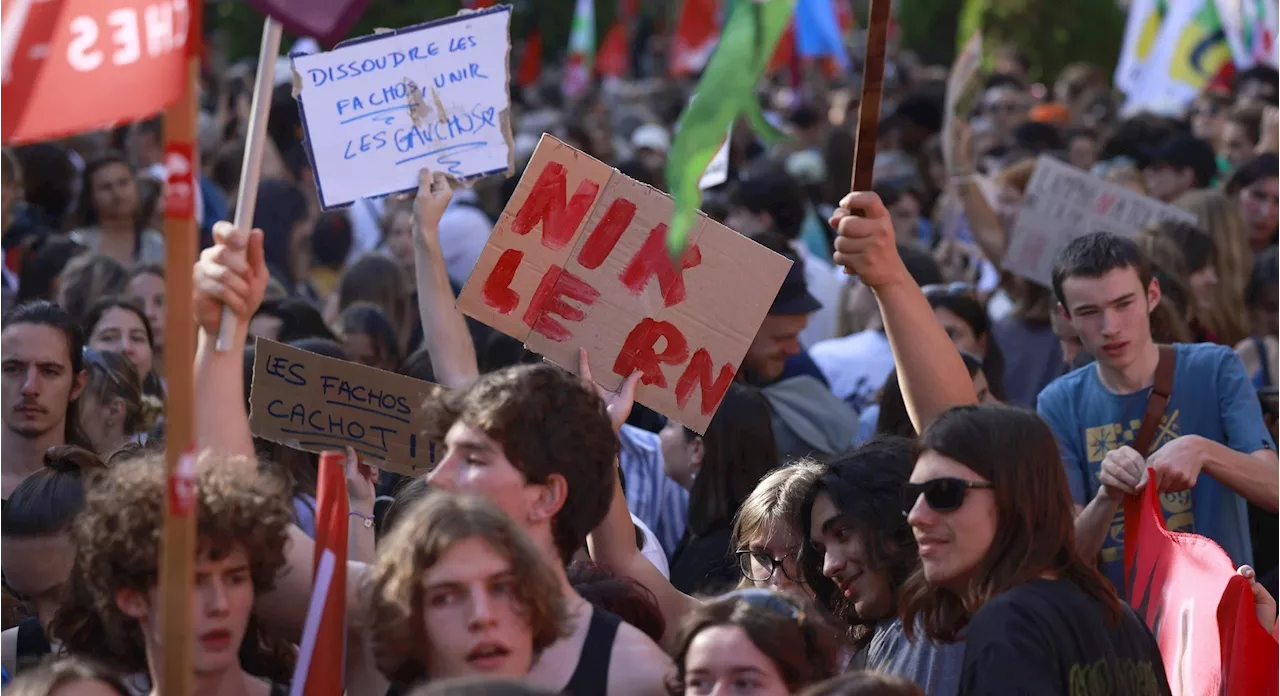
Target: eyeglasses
column 941, row 494
column 759, row 566
column 949, row 290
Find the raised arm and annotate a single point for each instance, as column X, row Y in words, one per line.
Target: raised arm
column 233, row 273
column 613, row 543
column 932, row 375
column 990, row 235
column 453, row 355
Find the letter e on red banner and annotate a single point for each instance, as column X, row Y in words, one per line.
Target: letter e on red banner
column 83, row 65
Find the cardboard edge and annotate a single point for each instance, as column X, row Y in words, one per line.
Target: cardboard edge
column 307, row 143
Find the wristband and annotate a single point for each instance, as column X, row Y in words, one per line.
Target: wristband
column 368, row 519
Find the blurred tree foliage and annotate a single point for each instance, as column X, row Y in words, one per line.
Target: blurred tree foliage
column 1051, row 33
column 239, row 26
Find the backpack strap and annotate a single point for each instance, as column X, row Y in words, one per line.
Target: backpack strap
column 1158, row 401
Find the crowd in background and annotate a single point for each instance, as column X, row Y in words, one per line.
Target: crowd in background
column 848, row 510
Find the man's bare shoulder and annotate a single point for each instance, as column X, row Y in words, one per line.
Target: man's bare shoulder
column 638, row 667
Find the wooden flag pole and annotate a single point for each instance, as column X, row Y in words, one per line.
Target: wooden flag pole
column 178, row 543
column 864, row 144
column 251, row 168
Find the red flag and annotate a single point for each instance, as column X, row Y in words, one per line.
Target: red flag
column 697, row 31
column 322, row 654
column 1187, row 590
column 125, row 58
column 612, row 59
column 530, row 69
column 326, row 21
column 785, row 53
column 1249, row 654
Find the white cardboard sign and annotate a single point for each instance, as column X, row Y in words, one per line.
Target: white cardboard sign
column 379, row 108
column 1063, row 203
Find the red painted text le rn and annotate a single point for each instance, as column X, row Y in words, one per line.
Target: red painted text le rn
column 560, row 216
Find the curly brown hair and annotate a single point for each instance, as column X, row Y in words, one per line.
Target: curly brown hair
column 117, row 539
column 547, row 421
column 425, row 533
column 786, row 629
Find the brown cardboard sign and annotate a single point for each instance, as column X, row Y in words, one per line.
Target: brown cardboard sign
column 578, row 259
column 316, row 403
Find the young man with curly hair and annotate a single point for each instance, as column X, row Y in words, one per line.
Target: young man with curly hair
column 113, row 612
column 536, row 441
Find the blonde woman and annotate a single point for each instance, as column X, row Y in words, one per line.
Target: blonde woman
column 1220, row 217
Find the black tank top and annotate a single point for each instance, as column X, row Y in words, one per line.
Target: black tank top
column 591, row 677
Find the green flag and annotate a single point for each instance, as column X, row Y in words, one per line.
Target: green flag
column 726, row 91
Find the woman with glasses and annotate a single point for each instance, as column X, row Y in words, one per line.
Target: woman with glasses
column 753, row 643
column 993, row 521
column 112, row 409
column 764, row 540
column 1255, row 187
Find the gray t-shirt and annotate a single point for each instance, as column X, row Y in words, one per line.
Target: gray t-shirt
column 936, row 668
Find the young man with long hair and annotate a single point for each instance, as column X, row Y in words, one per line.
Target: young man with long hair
column 992, row 518
column 43, row 374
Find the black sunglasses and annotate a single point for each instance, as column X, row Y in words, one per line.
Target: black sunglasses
column 942, row 494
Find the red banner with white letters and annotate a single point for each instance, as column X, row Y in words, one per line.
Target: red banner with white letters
column 72, row 66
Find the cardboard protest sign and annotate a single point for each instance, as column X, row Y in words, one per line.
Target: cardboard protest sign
column 314, row 403
column 379, row 108
column 1063, row 203
column 578, row 259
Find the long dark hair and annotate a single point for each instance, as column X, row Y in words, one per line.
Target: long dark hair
column 866, row 486
column 45, row 313
column 1035, row 531
column 48, row 500
column 739, row 449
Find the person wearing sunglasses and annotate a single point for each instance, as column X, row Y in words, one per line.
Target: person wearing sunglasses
column 992, row 516
column 858, row 551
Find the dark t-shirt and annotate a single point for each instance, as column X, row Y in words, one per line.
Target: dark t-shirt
column 1048, row 637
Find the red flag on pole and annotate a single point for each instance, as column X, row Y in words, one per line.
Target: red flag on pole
column 1185, row 587
column 322, row 654
column 127, row 58
column 327, row 21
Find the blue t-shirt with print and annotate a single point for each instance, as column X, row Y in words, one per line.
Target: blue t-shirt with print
column 1212, row 397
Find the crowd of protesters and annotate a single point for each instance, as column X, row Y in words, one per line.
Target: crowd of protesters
column 913, row 487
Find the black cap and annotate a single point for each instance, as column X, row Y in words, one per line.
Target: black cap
column 793, row 297
column 1183, row 150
